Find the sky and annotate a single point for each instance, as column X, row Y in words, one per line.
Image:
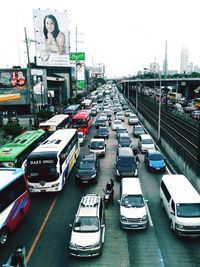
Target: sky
column 126, row 36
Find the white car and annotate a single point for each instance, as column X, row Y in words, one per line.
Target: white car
column 133, row 119
column 116, row 124
column 145, row 142
column 119, row 116
column 81, row 138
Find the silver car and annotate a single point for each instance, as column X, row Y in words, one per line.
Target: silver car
column 88, row 229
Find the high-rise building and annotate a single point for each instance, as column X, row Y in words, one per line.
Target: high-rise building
column 165, row 63
column 184, row 60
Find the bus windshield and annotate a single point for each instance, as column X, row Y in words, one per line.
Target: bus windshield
column 79, row 123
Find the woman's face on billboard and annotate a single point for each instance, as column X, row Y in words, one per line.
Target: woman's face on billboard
column 49, row 25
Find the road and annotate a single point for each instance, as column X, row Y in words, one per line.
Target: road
column 45, row 231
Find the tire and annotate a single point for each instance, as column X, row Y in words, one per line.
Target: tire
column 4, row 233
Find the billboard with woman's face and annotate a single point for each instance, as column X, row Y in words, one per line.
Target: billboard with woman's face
column 51, row 36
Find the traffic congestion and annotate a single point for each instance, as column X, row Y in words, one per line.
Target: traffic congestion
column 96, row 191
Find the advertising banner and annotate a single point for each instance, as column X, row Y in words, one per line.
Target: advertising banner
column 15, row 79
column 52, row 38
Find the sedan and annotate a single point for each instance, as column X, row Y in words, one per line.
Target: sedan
column 81, row 138
column 138, row 130
column 120, row 130
column 100, row 122
column 124, row 140
column 119, row 116
column 133, row 119
column 103, row 132
column 116, row 124
column 154, row 161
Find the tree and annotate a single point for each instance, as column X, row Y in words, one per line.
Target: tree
column 13, row 129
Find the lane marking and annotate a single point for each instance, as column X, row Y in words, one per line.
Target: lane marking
column 162, row 264
column 149, row 215
column 41, row 230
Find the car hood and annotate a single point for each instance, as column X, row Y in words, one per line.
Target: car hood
column 85, row 239
column 131, row 212
column 148, row 146
column 86, row 172
column 126, row 169
column 157, row 163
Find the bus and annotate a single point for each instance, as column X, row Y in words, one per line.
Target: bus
column 61, row 121
column 49, row 165
column 14, row 200
column 82, row 121
column 14, row 153
column 86, row 103
column 72, row 109
column 174, row 96
column 197, row 103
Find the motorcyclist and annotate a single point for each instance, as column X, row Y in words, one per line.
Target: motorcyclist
column 110, row 189
column 135, row 152
column 17, row 257
column 109, row 121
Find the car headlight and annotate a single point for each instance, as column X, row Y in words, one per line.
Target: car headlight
column 136, row 173
column 72, row 245
column 179, row 226
column 117, row 172
column 150, row 164
column 144, row 218
column 94, row 175
column 97, row 245
column 123, row 218
column 55, row 185
column 119, row 145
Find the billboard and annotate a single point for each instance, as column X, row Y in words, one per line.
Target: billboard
column 15, row 79
column 52, row 38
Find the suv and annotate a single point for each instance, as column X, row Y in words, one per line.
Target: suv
column 88, row 229
column 103, row 132
column 88, row 169
column 98, row 146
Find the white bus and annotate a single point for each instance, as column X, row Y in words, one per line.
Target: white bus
column 60, row 121
column 49, row 165
column 86, row 103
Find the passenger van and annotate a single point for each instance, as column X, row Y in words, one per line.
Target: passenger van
column 126, row 165
column 133, row 212
column 181, row 202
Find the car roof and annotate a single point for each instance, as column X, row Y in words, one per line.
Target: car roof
column 145, row 136
column 153, row 152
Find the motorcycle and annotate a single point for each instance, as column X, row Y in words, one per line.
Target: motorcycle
column 108, row 196
column 17, row 258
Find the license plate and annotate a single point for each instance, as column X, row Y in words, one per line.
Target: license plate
column 42, row 190
column 157, row 168
column 134, row 225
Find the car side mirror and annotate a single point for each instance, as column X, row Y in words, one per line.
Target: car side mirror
column 70, row 225
column 103, row 225
column 172, row 212
column 118, row 201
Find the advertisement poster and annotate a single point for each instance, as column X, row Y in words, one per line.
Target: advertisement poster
column 52, row 38
column 15, row 79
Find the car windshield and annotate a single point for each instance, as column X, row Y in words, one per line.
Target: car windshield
column 156, row 157
column 126, row 162
column 97, row 144
column 135, row 201
column 87, row 165
column 117, row 122
column 147, row 141
column 188, row 210
column 138, row 129
column 100, row 121
column 103, row 130
column 86, row 224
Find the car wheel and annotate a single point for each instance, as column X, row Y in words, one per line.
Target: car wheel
column 3, row 236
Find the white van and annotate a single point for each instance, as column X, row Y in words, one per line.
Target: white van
column 182, row 204
column 133, row 212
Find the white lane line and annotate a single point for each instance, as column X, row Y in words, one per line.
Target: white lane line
column 149, row 216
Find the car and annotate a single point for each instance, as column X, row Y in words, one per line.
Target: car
column 127, row 112
column 108, row 112
column 145, row 142
column 124, row 140
column 103, row 132
column 195, row 114
column 81, row 138
column 119, row 130
column 98, row 146
column 138, row 130
column 116, row 124
column 103, row 116
column 100, row 122
column 88, row 228
column 117, row 109
column 154, row 160
column 119, row 116
column 93, row 111
column 88, row 169
column 133, row 119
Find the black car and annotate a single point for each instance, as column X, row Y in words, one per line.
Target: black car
column 138, row 130
column 88, row 169
column 100, row 122
column 103, row 132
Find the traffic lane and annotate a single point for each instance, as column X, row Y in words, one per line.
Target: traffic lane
column 115, row 238
column 27, row 229
column 173, row 251
column 52, row 247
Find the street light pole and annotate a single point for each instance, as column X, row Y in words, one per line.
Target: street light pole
column 29, row 81
column 159, row 113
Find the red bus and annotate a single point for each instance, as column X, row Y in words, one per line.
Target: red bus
column 82, row 121
column 14, row 200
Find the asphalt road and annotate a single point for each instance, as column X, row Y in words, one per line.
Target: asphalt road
column 45, row 231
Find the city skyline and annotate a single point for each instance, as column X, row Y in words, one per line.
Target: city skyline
column 126, row 37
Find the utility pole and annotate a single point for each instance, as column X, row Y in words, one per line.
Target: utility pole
column 29, row 81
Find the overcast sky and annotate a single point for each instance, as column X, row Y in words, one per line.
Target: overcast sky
column 125, row 35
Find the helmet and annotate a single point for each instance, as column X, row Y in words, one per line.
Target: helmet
column 109, row 183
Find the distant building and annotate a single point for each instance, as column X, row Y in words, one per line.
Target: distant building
column 196, row 69
column 184, row 60
column 154, row 67
column 190, row 67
